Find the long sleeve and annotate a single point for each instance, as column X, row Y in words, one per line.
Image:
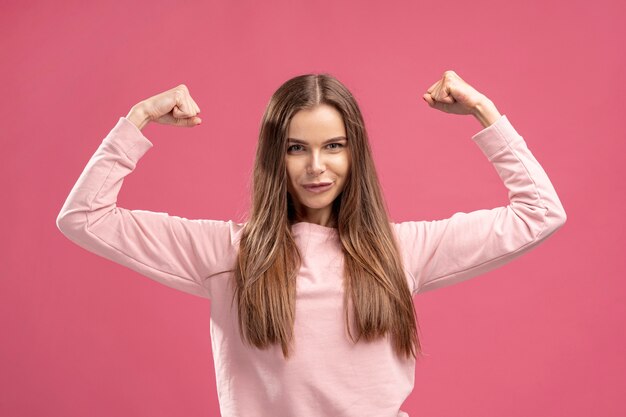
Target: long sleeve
column 172, row 250
column 444, row 252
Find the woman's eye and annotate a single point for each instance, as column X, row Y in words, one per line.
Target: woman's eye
column 331, row 146
column 289, row 149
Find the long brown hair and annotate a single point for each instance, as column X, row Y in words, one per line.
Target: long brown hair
column 268, row 261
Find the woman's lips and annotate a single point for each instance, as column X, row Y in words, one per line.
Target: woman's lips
column 318, row 188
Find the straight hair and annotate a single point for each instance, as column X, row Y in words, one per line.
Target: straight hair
column 375, row 286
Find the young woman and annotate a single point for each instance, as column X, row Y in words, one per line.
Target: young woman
column 311, row 298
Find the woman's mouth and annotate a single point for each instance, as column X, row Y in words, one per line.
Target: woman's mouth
column 319, row 187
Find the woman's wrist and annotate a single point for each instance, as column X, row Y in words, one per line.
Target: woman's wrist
column 486, row 112
column 138, row 116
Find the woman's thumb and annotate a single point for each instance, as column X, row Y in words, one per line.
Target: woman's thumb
column 188, row 121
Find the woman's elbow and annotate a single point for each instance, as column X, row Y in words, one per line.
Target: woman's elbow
column 560, row 216
column 556, row 218
column 62, row 222
column 70, row 223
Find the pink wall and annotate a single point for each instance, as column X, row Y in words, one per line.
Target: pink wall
column 541, row 336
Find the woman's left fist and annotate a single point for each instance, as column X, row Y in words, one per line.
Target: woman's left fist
column 453, row 95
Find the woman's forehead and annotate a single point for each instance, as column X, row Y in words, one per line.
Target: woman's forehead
column 320, row 123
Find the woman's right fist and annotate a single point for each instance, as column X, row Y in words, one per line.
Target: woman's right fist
column 171, row 107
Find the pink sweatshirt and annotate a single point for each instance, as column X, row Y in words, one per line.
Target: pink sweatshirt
column 327, row 375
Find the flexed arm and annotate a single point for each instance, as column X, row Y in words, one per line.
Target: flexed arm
column 443, row 252
column 172, row 250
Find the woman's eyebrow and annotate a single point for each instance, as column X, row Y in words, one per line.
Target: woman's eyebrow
column 294, row 140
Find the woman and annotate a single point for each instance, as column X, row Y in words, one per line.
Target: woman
column 311, row 297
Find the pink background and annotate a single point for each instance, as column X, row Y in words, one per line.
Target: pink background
column 542, row 336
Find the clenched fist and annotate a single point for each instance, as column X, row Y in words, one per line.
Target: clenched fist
column 452, row 94
column 171, row 107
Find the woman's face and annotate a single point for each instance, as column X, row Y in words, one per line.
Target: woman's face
column 316, row 153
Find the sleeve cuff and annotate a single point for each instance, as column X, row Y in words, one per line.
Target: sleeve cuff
column 128, row 138
column 496, row 136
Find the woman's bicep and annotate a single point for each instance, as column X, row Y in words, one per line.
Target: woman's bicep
column 444, row 252
column 172, row 250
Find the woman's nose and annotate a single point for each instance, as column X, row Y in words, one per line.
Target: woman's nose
column 316, row 164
